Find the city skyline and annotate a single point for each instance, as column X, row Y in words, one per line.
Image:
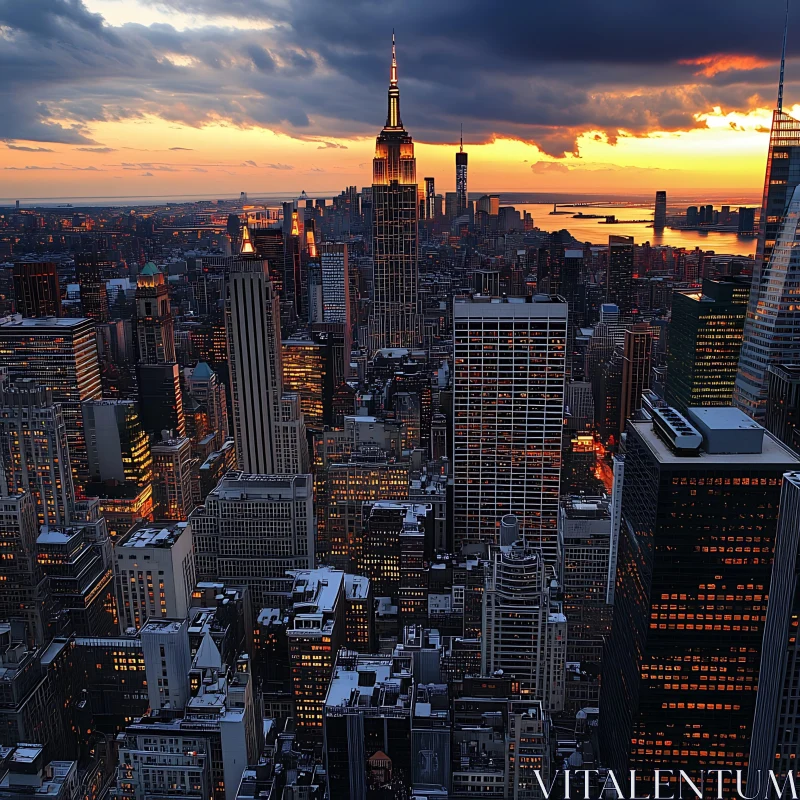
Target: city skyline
column 144, row 98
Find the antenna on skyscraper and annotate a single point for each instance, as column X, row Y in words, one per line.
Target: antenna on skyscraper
column 462, row 138
column 783, row 58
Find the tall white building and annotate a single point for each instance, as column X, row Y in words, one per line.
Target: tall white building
column 154, row 573
column 508, row 406
column 252, row 529
column 167, row 661
column 524, row 631
column 261, row 423
column 772, row 325
column 335, row 283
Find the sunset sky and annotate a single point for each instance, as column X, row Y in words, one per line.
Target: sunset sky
column 213, row 97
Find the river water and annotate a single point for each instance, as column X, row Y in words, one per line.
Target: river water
column 597, row 232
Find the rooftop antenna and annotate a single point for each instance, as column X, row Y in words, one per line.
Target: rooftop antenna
column 462, row 135
column 783, row 58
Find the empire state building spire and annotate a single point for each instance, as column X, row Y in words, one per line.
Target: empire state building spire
column 393, row 116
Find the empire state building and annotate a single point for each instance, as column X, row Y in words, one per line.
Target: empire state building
column 395, row 318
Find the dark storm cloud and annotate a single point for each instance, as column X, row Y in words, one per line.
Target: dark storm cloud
column 540, row 73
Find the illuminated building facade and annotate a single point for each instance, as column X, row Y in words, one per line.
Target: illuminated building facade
column 24, row 593
column 772, row 325
column 154, row 573
column 636, row 363
column 117, row 446
column 172, row 478
column 430, row 198
column 508, row 406
column 619, row 273
column 395, row 316
column 307, row 372
column 705, row 339
column 524, row 631
column 60, row 354
column 368, row 476
column 251, row 530
column 699, row 517
column 155, row 334
column 36, row 289
column 94, row 294
column 34, row 455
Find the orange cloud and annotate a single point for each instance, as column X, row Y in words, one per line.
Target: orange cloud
column 723, row 62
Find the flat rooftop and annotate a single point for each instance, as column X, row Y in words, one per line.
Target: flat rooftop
column 163, row 535
column 43, row 322
column 772, row 452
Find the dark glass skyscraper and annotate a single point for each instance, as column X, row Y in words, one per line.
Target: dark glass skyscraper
column 699, row 517
column 461, row 179
column 619, row 273
column 660, row 215
column 36, row 289
column 395, row 318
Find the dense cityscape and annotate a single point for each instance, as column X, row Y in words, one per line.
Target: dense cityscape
column 399, row 493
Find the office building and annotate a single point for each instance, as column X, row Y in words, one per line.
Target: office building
column 251, row 530
column 205, row 389
column 462, row 196
column 395, row 315
column 693, row 567
column 34, row 454
column 430, row 199
column 660, row 215
column 705, row 339
column 776, row 725
column 524, row 629
column 24, row 595
column 94, row 294
column 172, row 477
column 160, row 399
column 154, row 573
column 76, row 561
column 155, row 335
column 772, row 313
column 508, row 406
column 308, row 372
column 36, row 289
column 118, row 448
column 367, row 724
column 636, row 364
column 60, row 354
column 747, row 221
column 783, row 403
column 619, row 273
column 262, row 423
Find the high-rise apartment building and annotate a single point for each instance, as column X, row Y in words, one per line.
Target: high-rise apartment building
column 524, row 629
column 508, row 406
column 776, row 725
column 395, row 316
column 636, row 363
column 155, row 335
column 34, row 454
column 251, row 530
column 308, row 372
column 705, row 339
column 172, row 477
column 60, row 354
column 154, row 573
column 619, row 273
column 773, row 315
column 24, row 594
column 693, row 562
column 660, row 215
column 36, row 289
column 94, row 294
column 462, row 196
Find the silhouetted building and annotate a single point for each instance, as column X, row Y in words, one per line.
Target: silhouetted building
column 619, row 273
column 36, row 289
